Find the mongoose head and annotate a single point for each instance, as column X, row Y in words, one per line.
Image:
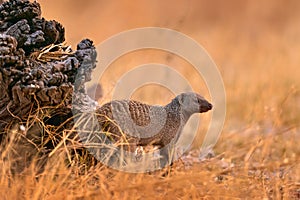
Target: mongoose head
column 193, row 103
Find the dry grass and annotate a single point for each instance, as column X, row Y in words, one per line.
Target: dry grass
column 258, row 156
column 251, row 165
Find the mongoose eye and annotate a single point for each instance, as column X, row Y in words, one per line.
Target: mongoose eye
column 198, row 100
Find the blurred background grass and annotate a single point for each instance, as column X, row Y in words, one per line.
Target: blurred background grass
column 256, row 46
column 253, row 43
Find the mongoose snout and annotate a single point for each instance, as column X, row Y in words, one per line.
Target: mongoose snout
column 205, row 106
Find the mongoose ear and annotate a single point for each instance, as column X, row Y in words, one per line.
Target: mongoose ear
column 180, row 99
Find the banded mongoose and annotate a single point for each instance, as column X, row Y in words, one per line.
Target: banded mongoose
column 144, row 124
